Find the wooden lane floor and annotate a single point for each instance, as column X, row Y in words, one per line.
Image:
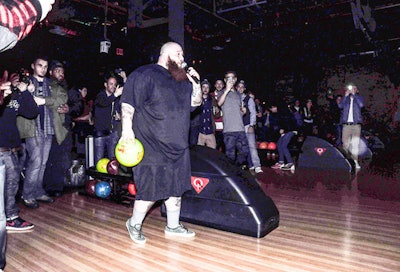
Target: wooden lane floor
column 329, row 221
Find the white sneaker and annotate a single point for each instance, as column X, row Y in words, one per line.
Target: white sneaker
column 288, row 166
column 179, row 231
column 252, row 168
column 135, row 232
column 258, row 170
column 356, row 164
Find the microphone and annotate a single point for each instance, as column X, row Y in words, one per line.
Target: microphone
column 185, row 66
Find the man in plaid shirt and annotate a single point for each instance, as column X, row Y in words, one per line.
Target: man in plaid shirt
column 17, row 18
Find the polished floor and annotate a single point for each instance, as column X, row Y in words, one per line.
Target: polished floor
column 329, row 221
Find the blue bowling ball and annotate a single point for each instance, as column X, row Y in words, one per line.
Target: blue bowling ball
column 103, row 189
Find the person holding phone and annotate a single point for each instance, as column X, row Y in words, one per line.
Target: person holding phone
column 233, row 110
column 351, row 120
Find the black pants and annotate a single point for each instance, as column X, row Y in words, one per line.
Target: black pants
column 60, row 159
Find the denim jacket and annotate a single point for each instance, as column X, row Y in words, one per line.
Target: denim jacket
column 358, row 103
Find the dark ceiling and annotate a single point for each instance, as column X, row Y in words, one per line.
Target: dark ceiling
column 262, row 40
column 209, row 20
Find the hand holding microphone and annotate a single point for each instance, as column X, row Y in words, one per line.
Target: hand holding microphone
column 193, row 76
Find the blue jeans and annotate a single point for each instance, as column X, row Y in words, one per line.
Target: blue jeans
column 11, row 185
column 38, row 149
column 3, row 232
column 236, row 141
column 282, row 146
column 101, row 143
column 253, row 159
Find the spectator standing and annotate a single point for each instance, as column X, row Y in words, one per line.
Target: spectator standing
column 297, row 113
column 60, row 156
column 230, row 101
column 20, row 102
column 271, row 124
column 336, row 113
column 351, row 120
column 218, row 117
column 308, row 118
column 249, row 122
column 38, row 133
column 105, row 134
column 83, row 124
column 207, row 125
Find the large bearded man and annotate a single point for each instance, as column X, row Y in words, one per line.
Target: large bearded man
column 156, row 106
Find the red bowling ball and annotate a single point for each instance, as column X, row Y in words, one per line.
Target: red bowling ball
column 112, row 167
column 271, row 146
column 263, row 145
column 132, row 188
column 90, row 187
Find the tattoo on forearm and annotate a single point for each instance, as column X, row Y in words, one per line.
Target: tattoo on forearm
column 196, row 90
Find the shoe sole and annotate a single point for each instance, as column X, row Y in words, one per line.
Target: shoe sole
column 288, row 169
column 20, row 230
column 185, row 235
column 140, row 242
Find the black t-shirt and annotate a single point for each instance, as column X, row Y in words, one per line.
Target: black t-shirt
column 162, row 111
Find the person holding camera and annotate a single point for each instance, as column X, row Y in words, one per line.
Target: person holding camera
column 18, row 102
column 351, row 120
column 39, row 132
column 233, row 109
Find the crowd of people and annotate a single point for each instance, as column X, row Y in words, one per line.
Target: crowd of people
column 44, row 123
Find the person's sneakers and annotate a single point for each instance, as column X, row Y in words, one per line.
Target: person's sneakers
column 179, row 231
column 356, row 164
column 30, row 203
column 45, row 199
column 252, row 168
column 277, row 165
column 18, row 224
column 258, row 170
column 288, row 166
column 135, row 232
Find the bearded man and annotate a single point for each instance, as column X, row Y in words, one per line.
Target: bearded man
column 156, row 105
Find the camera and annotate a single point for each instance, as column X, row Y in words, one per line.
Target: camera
column 24, row 77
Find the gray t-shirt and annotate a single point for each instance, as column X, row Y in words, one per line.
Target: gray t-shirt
column 232, row 116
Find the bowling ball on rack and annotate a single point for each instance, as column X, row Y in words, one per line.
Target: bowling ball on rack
column 263, row 145
column 103, row 189
column 129, row 153
column 271, row 146
column 101, row 165
column 132, row 188
column 90, row 187
column 113, row 167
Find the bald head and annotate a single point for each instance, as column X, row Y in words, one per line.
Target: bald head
column 170, row 51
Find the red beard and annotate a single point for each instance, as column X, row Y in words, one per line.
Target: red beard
column 178, row 73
